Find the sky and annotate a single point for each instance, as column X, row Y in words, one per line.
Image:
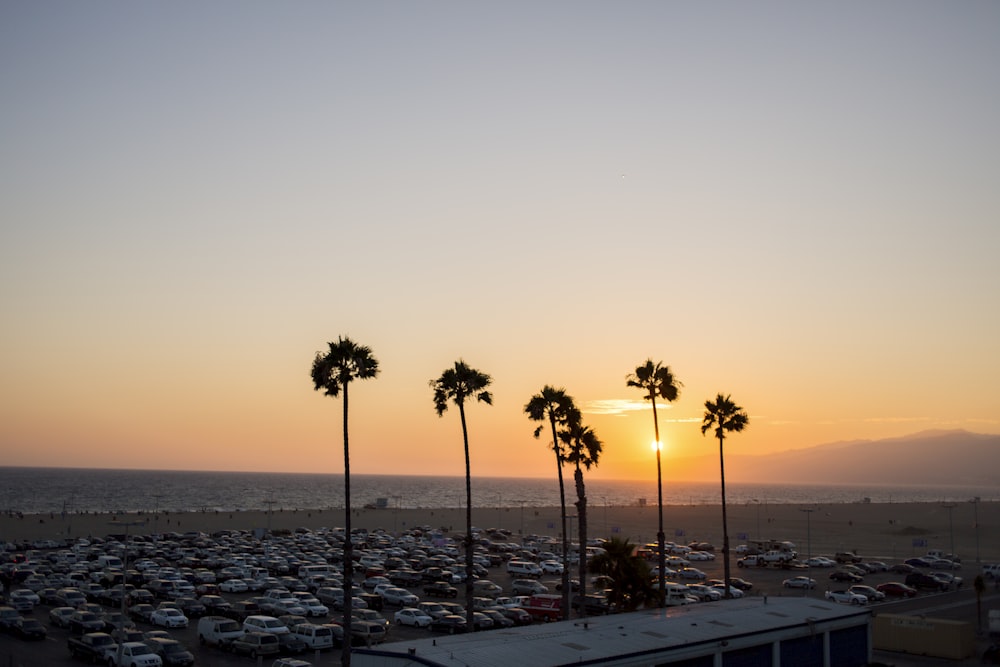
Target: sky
column 796, row 204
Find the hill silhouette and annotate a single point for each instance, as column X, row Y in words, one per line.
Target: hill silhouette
column 930, row 457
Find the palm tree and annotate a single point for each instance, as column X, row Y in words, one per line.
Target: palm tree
column 725, row 416
column 629, row 582
column 657, row 380
column 457, row 384
column 583, row 448
column 555, row 406
column 333, row 372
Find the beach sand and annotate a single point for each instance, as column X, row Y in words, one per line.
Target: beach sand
column 882, row 531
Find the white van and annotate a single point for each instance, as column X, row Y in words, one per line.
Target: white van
column 991, row 571
column 218, row 630
column 677, row 595
column 524, row 568
column 316, row 637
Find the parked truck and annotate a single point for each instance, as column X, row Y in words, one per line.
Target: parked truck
column 95, row 647
column 544, row 607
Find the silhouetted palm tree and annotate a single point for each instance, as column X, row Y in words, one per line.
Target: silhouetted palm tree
column 657, row 380
column 457, row 384
column 555, row 406
column 583, row 448
column 724, row 415
column 333, row 372
column 628, row 576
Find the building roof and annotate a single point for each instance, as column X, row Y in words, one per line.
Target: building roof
column 616, row 638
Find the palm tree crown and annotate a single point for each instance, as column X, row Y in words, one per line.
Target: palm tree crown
column 332, row 372
column 457, row 384
column 657, row 380
column 556, row 407
column 725, row 416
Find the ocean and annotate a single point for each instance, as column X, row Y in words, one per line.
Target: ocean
column 54, row 490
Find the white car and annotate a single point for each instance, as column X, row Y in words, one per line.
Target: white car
column 551, row 567
column 733, row 591
column 312, row 606
column 820, row 561
column 701, row 555
column 846, row 597
column 289, row 606
column 799, row 582
column 398, row 596
column 25, row 595
column 704, row 593
column 414, row 617
column 234, row 586
column 260, row 623
column 691, row 573
column 169, row 617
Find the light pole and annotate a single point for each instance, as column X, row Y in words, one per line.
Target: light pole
column 605, row 499
column 121, row 621
column 270, row 504
column 809, row 549
column 951, row 527
column 975, row 520
column 757, row 535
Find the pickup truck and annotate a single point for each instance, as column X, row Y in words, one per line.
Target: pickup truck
column 93, row 647
column 440, row 589
column 135, row 654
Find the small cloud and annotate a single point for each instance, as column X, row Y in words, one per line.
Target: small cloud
column 616, row 406
column 894, row 420
column 781, row 422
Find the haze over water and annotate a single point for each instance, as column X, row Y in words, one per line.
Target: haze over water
column 50, row 490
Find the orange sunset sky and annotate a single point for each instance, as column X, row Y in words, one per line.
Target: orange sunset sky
column 796, row 204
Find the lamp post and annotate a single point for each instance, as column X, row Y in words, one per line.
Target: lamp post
column 605, row 499
column 808, row 512
column 975, row 521
column 951, row 527
column 757, row 534
column 121, row 621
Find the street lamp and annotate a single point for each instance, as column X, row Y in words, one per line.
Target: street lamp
column 121, row 621
column 757, row 535
column 809, row 548
column 951, row 526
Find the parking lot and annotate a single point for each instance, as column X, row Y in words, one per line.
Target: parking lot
column 279, row 560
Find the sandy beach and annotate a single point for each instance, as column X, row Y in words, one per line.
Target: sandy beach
column 885, row 531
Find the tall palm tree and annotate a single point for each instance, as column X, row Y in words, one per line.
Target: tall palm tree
column 657, row 380
column 457, row 384
column 555, row 406
column 333, row 372
column 628, row 575
column 583, row 448
column 724, row 415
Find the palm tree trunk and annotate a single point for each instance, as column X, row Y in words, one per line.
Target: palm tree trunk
column 660, row 537
column 562, row 513
column 581, row 513
column 345, row 656
column 725, row 523
column 469, row 617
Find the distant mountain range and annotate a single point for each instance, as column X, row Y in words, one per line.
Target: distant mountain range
column 929, row 457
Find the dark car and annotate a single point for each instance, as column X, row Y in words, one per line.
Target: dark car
column 896, row 589
column 172, row 652
column 902, row 568
column 844, row 575
column 440, row 589
column 919, row 580
column 81, row 622
column 290, row 644
column 917, row 562
column 191, row 607
column 499, row 620
column 516, row 614
column 241, row 609
column 256, row 643
column 29, row 628
column 593, row 604
column 142, row 612
column 215, row 605
column 452, row 624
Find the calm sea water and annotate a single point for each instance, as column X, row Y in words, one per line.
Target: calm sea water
column 44, row 490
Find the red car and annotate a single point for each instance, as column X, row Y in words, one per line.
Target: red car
column 896, row 589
